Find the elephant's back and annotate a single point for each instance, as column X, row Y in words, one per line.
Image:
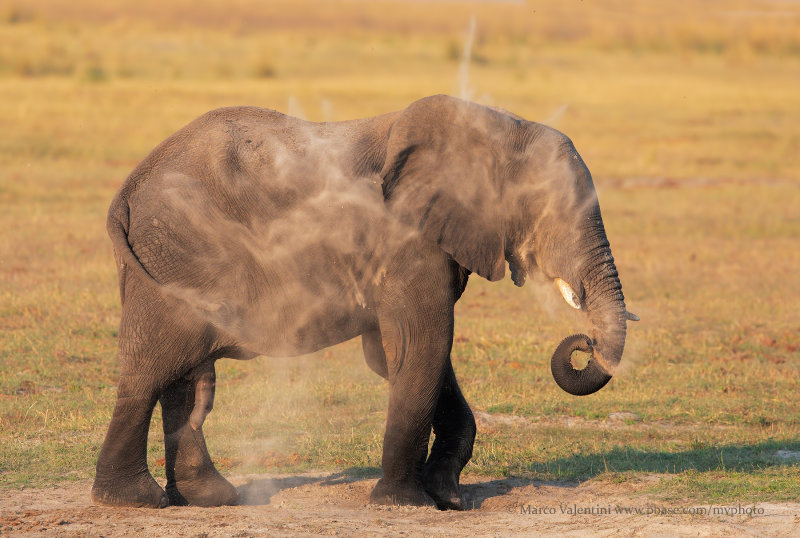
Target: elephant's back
column 256, row 161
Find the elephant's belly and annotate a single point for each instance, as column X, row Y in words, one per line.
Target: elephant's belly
column 310, row 332
column 272, row 321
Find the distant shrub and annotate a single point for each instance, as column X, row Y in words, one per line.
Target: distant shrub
column 453, row 52
column 41, row 67
column 265, row 70
column 95, row 73
column 15, row 15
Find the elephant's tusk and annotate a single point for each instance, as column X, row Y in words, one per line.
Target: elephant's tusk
column 569, row 295
column 631, row 316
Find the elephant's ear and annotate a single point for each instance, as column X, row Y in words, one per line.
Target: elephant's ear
column 440, row 176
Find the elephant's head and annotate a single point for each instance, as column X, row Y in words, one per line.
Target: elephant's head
column 490, row 188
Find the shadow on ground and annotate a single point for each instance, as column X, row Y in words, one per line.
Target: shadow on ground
column 701, row 457
column 568, row 472
column 260, row 491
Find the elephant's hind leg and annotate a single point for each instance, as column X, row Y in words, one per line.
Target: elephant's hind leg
column 454, row 428
column 122, row 477
column 191, row 475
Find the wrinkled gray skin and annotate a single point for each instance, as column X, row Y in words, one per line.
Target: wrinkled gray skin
column 248, row 232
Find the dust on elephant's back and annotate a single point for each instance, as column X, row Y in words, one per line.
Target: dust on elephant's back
column 295, row 270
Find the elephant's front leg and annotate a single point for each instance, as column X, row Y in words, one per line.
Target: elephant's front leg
column 454, row 428
column 416, row 354
column 191, row 475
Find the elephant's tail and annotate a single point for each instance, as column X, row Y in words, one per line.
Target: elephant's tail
column 117, row 225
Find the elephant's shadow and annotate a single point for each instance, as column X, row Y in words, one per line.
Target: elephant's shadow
column 261, row 490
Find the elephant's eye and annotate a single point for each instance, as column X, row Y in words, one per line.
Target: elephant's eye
column 568, row 293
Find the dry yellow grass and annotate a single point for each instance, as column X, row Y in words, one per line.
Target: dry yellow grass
column 687, row 115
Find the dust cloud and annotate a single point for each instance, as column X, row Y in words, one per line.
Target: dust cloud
column 555, row 117
column 294, row 109
column 465, row 92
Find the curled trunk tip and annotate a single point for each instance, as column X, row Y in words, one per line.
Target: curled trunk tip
column 577, row 382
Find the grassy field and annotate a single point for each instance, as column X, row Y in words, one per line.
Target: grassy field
column 687, row 117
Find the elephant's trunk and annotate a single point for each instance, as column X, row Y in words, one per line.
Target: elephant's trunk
column 605, row 306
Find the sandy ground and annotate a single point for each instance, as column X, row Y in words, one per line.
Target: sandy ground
column 332, row 504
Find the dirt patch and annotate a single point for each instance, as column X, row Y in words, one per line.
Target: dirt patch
column 334, row 503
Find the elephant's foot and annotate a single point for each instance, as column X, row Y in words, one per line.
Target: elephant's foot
column 400, row 494
column 205, row 488
column 197, row 482
column 138, row 491
column 441, row 483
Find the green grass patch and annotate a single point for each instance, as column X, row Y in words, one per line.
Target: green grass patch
column 757, row 485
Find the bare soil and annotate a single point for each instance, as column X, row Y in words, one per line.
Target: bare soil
column 336, row 504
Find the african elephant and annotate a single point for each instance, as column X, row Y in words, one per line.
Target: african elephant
column 249, row 232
